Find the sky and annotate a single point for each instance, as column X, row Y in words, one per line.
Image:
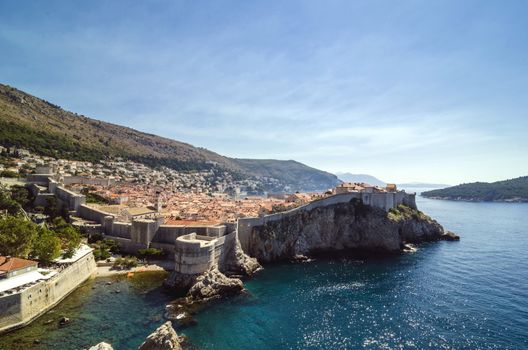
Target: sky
column 402, row 90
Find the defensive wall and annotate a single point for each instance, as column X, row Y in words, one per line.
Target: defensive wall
column 382, row 200
column 19, row 307
column 195, row 254
column 84, row 180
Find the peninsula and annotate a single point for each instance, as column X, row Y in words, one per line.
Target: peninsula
column 513, row 190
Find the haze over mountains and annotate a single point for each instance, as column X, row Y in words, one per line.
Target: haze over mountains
column 349, row 177
column 47, row 129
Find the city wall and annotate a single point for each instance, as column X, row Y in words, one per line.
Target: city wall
column 20, row 308
column 83, row 180
column 195, row 254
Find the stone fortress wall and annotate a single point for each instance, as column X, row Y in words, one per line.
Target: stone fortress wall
column 196, row 254
column 195, row 249
column 20, row 307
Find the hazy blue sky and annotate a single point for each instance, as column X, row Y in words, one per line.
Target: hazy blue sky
column 403, row 90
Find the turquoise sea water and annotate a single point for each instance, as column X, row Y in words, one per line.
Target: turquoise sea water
column 471, row 294
column 98, row 313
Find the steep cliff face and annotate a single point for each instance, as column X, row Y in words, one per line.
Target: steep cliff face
column 341, row 226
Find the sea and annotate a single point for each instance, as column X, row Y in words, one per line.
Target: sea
column 471, row 294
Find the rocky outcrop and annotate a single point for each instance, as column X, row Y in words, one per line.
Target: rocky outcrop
column 239, row 263
column 450, row 236
column 341, row 226
column 180, row 281
column 213, row 285
column 163, row 338
column 102, row 346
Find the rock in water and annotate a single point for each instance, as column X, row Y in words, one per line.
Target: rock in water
column 214, row 284
column 450, row 236
column 64, row 321
column 102, row 346
column 163, row 338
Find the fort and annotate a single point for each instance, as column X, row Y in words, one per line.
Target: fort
column 30, row 294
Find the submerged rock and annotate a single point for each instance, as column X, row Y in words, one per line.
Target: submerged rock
column 102, row 346
column 163, row 338
column 64, row 321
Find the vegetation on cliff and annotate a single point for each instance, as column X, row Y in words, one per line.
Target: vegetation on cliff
column 514, row 190
column 403, row 212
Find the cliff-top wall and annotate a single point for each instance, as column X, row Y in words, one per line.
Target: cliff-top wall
column 336, row 223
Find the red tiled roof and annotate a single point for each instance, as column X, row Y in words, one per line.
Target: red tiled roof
column 10, row 264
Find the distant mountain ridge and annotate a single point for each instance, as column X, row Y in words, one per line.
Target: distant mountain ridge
column 47, row 129
column 372, row 180
column 423, row 185
column 512, row 190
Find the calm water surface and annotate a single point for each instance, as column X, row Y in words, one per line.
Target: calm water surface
column 471, row 294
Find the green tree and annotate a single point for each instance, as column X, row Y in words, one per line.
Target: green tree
column 8, row 203
column 16, row 236
column 47, row 246
column 8, row 173
column 70, row 237
column 20, row 194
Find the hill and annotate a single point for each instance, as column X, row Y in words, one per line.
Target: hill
column 513, row 190
column 47, row 129
column 422, row 185
column 348, row 177
column 290, row 171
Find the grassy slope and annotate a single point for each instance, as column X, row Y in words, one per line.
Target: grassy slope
column 500, row 190
column 47, row 129
column 26, row 118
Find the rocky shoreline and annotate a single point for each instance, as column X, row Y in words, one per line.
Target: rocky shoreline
column 333, row 229
column 163, row 338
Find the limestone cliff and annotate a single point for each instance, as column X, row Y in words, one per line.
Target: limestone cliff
column 163, row 338
column 102, row 346
column 212, row 285
column 236, row 262
column 340, row 226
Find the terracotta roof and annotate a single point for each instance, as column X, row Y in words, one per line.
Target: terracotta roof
column 8, row 264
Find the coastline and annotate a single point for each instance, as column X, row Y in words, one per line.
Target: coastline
column 478, row 200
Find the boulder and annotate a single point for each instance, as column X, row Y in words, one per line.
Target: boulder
column 450, row 236
column 163, row 338
column 102, row 346
column 214, row 284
